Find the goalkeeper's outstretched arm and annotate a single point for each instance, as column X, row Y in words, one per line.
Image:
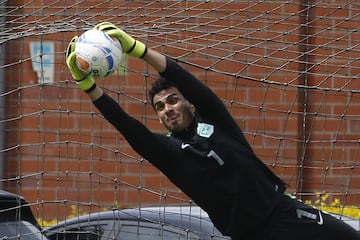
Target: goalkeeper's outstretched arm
column 156, row 60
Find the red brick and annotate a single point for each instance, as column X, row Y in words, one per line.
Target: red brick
column 58, row 132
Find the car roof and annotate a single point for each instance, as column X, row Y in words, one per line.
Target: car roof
column 167, row 214
column 191, row 218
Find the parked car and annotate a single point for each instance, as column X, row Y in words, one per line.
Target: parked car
column 146, row 223
column 16, row 219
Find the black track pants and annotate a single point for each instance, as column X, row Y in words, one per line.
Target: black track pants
column 297, row 221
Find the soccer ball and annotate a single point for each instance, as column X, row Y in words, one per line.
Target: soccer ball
column 97, row 54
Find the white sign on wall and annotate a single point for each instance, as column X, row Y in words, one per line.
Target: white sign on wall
column 42, row 56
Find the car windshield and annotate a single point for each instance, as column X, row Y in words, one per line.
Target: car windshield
column 20, row 230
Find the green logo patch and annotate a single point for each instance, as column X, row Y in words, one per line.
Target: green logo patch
column 205, row 130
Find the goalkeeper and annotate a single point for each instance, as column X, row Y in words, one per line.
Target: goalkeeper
column 206, row 154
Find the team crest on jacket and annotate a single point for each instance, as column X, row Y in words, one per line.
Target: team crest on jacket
column 205, row 130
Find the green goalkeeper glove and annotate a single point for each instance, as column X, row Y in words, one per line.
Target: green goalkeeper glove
column 85, row 82
column 129, row 45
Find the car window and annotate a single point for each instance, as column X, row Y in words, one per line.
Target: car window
column 21, row 230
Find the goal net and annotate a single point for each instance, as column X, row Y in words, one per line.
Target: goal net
column 288, row 71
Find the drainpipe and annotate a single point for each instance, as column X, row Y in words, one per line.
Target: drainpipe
column 2, row 99
column 304, row 78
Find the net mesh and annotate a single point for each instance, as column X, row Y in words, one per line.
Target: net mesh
column 287, row 71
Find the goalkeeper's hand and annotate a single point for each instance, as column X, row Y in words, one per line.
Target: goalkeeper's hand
column 85, row 82
column 129, row 45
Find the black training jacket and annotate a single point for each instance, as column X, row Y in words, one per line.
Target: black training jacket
column 211, row 162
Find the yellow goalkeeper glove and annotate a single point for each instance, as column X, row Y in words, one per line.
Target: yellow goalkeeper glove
column 129, row 45
column 85, row 82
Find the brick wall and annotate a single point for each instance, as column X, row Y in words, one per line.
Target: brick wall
column 60, row 152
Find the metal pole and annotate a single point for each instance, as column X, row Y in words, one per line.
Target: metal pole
column 2, row 89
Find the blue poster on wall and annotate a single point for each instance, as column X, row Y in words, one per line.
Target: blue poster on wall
column 42, row 58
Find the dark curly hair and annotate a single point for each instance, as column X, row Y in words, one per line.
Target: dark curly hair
column 160, row 84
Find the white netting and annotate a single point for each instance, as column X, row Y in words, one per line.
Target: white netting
column 287, row 70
